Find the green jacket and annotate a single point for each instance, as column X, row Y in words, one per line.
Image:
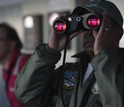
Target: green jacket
column 39, row 85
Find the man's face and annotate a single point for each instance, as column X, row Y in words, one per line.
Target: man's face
column 87, row 40
column 4, row 44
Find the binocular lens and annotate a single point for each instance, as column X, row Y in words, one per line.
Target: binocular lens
column 93, row 22
column 60, row 26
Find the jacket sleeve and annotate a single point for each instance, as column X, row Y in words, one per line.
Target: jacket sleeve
column 109, row 73
column 33, row 81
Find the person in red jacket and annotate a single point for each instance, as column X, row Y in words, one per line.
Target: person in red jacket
column 11, row 59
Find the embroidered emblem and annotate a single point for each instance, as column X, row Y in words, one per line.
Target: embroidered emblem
column 70, row 77
column 95, row 88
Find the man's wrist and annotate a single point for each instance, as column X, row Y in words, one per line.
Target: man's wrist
column 48, row 53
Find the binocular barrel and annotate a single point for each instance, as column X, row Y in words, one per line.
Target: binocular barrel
column 70, row 24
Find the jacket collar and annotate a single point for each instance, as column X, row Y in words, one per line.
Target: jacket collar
column 78, row 55
column 120, row 53
column 82, row 55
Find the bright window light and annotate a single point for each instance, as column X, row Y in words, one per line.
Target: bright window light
column 28, row 22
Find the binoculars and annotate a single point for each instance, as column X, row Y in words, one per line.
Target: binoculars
column 70, row 24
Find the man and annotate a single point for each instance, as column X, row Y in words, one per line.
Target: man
column 97, row 80
column 11, row 60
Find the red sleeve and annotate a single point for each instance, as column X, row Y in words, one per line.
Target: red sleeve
column 23, row 61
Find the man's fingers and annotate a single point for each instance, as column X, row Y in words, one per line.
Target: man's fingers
column 105, row 26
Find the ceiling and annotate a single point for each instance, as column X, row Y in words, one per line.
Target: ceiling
column 10, row 2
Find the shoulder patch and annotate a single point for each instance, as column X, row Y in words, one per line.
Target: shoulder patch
column 95, row 88
column 70, row 78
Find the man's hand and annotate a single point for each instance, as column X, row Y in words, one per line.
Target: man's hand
column 57, row 41
column 105, row 38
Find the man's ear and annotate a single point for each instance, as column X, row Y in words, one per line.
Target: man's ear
column 120, row 32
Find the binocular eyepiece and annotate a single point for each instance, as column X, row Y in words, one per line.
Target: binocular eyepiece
column 70, row 24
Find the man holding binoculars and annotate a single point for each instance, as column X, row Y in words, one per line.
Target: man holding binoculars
column 97, row 80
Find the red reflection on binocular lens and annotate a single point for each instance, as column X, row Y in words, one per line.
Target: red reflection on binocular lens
column 60, row 27
column 93, row 22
